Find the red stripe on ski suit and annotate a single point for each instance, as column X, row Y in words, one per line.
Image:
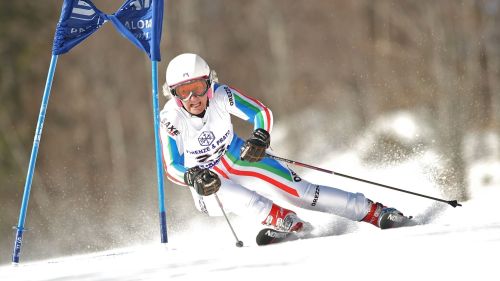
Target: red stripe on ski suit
column 260, row 176
column 221, row 172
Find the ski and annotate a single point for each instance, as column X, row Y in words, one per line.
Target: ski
column 391, row 220
column 269, row 236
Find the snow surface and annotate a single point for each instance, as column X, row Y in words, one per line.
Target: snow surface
column 460, row 243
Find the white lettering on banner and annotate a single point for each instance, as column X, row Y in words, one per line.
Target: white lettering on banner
column 142, row 35
column 140, row 24
column 138, row 6
column 83, row 11
column 77, row 30
column 83, row 3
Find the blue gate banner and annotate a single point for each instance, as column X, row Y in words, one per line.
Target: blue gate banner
column 79, row 19
column 140, row 21
column 135, row 22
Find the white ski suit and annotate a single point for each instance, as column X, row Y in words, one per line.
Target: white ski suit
column 247, row 188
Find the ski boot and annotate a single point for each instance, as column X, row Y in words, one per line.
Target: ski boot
column 284, row 225
column 384, row 217
column 285, row 220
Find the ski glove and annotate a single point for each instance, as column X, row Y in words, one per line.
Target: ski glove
column 254, row 149
column 204, row 181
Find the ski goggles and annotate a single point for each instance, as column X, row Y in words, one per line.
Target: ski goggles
column 197, row 88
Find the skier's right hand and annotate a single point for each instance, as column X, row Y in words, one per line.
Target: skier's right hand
column 204, row 181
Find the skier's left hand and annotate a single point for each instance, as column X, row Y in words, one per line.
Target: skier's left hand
column 254, row 149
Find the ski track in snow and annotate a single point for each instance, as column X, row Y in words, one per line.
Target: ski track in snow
column 462, row 243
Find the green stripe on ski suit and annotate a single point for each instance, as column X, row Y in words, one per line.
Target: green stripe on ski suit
column 281, row 171
column 257, row 110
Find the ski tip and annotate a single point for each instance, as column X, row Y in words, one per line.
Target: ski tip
column 270, row 236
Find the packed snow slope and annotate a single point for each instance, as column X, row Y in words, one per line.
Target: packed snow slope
column 463, row 244
column 448, row 243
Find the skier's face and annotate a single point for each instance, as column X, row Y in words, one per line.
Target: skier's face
column 195, row 104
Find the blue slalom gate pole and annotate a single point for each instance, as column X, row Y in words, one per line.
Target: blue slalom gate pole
column 31, row 168
column 157, row 19
column 159, row 161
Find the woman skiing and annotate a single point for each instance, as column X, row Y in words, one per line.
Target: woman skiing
column 201, row 150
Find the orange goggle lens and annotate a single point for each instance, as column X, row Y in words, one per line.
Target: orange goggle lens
column 196, row 87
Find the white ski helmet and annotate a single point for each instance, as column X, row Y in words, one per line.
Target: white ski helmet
column 185, row 67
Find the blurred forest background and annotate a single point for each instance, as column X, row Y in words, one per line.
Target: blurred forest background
column 327, row 69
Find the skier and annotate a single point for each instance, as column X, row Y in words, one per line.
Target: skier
column 201, row 150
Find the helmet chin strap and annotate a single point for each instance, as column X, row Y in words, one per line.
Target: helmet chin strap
column 210, row 92
column 178, row 101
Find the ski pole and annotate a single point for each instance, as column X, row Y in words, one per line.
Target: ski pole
column 239, row 243
column 453, row 203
